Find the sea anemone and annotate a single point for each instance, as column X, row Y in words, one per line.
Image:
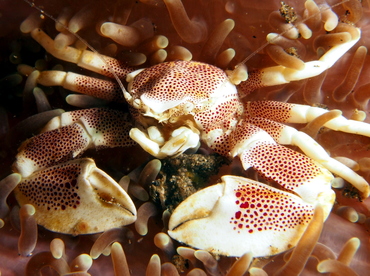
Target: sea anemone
column 223, row 33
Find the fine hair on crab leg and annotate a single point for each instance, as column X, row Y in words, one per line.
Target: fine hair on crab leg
column 294, row 171
column 87, row 59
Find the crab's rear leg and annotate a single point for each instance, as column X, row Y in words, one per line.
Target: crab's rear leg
column 74, row 197
column 103, row 89
column 280, row 74
column 268, row 115
column 89, row 60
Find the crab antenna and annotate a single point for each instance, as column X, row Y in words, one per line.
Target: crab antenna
column 82, row 40
column 259, row 49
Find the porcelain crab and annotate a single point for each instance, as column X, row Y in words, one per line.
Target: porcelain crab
column 177, row 105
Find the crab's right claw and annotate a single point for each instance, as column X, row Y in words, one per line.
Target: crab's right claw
column 76, row 198
column 240, row 215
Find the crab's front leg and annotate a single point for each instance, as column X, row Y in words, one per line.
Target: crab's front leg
column 268, row 115
column 74, row 197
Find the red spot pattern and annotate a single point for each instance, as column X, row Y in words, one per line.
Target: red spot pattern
column 262, row 208
column 275, row 111
column 102, row 89
column 178, row 80
column 222, row 117
column 112, row 124
column 119, row 67
column 60, row 145
column 287, row 167
column 253, row 82
column 54, row 188
column 53, row 147
column 274, row 129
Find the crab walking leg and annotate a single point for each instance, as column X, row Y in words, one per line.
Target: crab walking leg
column 290, row 136
column 76, row 198
column 83, row 58
column 292, row 170
column 69, row 135
column 296, row 113
column 277, row 75
column 243, row 216
column 263, row 112
column 102, row 89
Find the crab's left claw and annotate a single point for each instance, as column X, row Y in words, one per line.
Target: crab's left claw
column 241, row 215
column 76, row 198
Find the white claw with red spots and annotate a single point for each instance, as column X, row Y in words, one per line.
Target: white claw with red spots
column 76, row 198
column 241, row 215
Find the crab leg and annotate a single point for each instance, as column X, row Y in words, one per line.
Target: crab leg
column 262, row 114
column 69, row 135
column 280, row 74
column 296, row 113
column 102, row 89
column 92, row 61
column 292, row 170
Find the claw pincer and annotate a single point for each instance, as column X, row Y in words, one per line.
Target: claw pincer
column 74, row 196
column 241, row 215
